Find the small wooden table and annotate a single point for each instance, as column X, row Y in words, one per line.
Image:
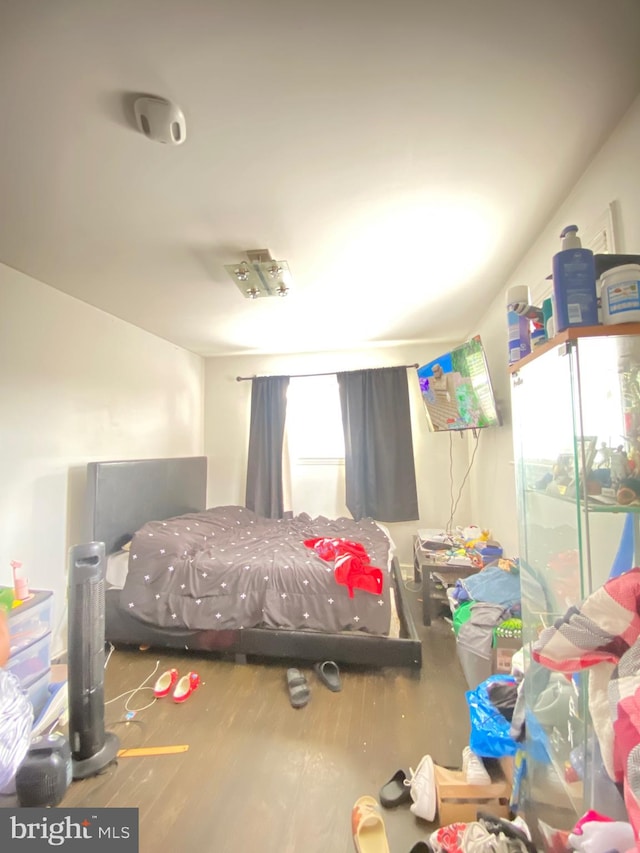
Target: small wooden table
column 424, row 563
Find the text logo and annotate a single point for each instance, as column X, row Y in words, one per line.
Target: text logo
column 69, row 830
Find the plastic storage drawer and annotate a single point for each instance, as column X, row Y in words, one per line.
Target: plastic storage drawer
column 30, row 621
column 37, row 690
column 32, row 661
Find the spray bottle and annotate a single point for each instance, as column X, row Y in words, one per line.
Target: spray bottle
column 20, row 583
column 574, row 283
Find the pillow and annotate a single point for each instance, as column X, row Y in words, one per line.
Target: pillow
column 117, row 568
column 392, row 544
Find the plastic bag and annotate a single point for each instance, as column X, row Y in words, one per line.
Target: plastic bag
column 16, row 719
column 490, row 736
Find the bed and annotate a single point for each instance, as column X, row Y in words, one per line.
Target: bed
column 208, row 580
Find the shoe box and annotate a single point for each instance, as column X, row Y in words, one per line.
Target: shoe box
column 503, row 650
column 457, row 801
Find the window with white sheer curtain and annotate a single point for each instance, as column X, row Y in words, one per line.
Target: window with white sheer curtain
column 314, row 420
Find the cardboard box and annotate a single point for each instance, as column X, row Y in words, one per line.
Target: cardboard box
column 459, row 801
column 507, row 766
column 502, row 653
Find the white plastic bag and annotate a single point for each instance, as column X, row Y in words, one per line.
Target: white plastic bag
column 16, row 720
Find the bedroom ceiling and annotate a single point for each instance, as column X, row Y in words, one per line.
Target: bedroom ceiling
column 401, row 156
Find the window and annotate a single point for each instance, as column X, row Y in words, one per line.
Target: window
column 314, row 420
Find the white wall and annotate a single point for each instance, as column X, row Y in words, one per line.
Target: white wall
column 77, row 385
column 227, row 410
column 613, row 176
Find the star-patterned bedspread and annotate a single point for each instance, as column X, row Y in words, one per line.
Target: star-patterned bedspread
column 228, row 568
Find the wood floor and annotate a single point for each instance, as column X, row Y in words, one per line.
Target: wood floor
column 262, row 776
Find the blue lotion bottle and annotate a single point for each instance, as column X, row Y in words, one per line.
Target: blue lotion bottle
column 574, row 283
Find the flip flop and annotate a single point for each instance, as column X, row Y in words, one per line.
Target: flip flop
column 329, row 674
column 367, row 826
column 394, row 792
column 299, row 692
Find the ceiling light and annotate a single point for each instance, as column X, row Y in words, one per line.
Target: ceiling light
column 242, row 272
column 261, row 275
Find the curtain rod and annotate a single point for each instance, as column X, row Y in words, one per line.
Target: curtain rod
column 328, row 373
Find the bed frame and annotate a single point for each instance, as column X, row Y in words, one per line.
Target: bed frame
column 124, row 495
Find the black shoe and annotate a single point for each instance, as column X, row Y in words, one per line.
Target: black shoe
column 395, row 792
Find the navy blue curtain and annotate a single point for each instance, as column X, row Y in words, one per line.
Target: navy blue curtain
column 266, row 434
column 379, row 468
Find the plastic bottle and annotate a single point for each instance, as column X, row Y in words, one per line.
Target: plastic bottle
column 574, row 283
column 518, row 323
column 519, row 338
column 547, row 316
column 20, row 583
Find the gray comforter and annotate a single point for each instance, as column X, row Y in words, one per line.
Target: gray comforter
column 227, row 568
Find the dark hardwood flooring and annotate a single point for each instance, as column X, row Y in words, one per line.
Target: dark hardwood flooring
column 262, row 776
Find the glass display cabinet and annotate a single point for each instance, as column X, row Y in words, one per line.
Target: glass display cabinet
column 576, row 428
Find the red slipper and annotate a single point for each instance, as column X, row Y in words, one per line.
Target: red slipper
column 185, row 687
column 165, row 683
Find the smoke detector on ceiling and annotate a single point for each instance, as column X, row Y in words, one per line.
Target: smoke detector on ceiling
column 160, row 120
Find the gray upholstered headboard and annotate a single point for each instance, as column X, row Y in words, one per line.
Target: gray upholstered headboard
column 124, row 495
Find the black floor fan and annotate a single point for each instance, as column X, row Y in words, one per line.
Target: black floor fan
column 92, row 749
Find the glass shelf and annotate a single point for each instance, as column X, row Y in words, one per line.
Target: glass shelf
column 576, row 427
column 592, row 504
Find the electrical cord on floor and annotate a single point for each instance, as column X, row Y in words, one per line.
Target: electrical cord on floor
column 131, row 712
column 112, row 649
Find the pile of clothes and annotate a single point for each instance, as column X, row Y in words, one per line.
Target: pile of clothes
column 488, row 834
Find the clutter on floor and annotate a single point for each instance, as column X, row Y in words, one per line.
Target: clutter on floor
column 367, row 827
column 299, row 693
column 329, row 674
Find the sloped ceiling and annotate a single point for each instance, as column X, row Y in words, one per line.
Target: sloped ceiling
column 401, row 156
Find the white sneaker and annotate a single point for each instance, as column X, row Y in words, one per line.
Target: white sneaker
column 473, row 768
column 423, row 789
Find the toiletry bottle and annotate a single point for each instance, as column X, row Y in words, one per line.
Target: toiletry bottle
column 20, row 583
column 519, row 342
column 574, row 283
column 518, row 336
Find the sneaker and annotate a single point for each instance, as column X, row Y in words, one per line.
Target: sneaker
column 473, row 768
column 423, row 789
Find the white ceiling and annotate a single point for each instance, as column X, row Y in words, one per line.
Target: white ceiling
column 401, row 155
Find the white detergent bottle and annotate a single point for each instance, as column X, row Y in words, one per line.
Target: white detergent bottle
column 574, row 283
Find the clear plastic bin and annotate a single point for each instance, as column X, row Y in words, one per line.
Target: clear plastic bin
column 30, row 621
column 32, row 661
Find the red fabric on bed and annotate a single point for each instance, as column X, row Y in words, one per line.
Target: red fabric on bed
column 351, row 564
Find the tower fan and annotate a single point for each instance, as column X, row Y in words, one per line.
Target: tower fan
column 92, row 749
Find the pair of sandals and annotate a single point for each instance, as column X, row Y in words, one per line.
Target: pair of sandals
column 182, row 688
column 298, row 686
